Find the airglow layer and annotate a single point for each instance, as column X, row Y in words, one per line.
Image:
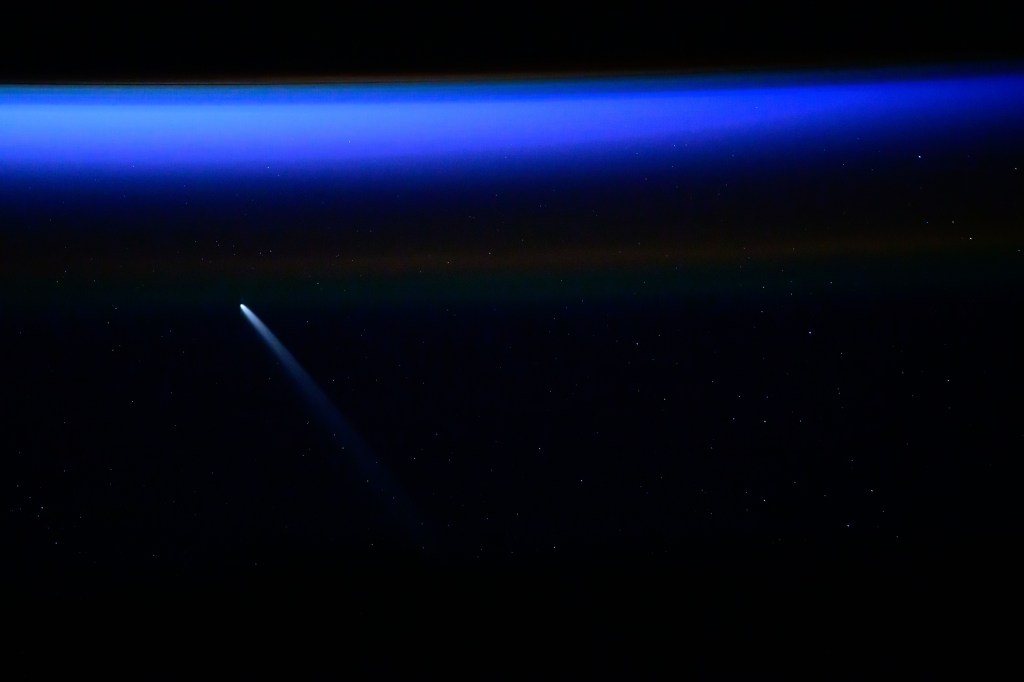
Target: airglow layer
column 135, row 129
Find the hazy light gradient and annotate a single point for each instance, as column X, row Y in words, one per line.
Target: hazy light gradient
column 255, row 128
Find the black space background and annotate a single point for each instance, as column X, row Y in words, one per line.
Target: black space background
column 211, row 495
column 43, row 43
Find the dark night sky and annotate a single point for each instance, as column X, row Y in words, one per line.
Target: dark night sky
column 386, row 40
column 845, row 422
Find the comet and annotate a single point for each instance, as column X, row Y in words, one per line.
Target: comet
column 345, row 437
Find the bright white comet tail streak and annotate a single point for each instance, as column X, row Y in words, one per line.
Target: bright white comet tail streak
column 342, row 432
